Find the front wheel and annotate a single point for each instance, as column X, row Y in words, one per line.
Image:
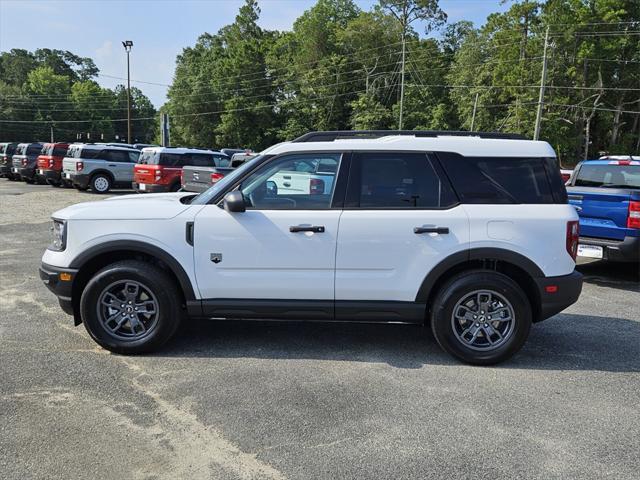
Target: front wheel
column 481, row 317
column 100, row 183
column 131, row 307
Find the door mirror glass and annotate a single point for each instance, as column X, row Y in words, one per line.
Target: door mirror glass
column 234, row 202
column 272, row 189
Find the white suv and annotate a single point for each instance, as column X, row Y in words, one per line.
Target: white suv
column 468, row 233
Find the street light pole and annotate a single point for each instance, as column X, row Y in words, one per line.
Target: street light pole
column 127, row 44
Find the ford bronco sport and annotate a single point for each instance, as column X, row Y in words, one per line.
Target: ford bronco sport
column 50, row 163
column 99, row 167
column 469, row 233
column 159, row 168
column 7, row 149
column 25, row 161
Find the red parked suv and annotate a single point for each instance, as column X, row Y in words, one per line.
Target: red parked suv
column 159, row 168
column 50, row 163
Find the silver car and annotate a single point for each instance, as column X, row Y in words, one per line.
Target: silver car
column 99, row 167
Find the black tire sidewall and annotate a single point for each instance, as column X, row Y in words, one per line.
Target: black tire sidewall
column 101, row 175
column 160, row 284
column 462, row 285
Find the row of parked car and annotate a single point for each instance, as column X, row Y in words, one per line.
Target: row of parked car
column 99, row 167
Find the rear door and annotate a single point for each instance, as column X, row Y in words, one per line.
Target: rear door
column 121, row 164
column 400, row 220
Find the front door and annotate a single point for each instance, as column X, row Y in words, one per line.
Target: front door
column 282, row 249
column 400, row 220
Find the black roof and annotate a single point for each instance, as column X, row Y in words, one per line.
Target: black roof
column 330, row 136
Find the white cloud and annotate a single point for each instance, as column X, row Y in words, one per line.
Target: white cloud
column 105, row 50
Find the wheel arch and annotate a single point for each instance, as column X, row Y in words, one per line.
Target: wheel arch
column 93, row 259
column 103, row 171
column 521, row 269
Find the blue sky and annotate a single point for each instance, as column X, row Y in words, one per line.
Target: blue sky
column 160, row 29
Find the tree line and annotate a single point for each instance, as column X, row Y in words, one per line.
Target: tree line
column 340, row 68
column 55, row 91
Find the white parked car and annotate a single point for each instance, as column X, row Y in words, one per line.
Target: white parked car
column 470, row 234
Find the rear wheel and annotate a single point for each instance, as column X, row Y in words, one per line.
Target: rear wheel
column 175, row 187
column 131, row 307
column 100, row 183
column 481, row 317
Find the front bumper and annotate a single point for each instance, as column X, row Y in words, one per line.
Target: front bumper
column 60, row 282
column 627, row 250
column 557, row 293
column 150, row 188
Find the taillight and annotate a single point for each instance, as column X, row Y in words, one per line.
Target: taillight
column 215, row 177
column 633, row 219
column 24, row 162
column 158, row 173
column 51, row 163
column 316, row 186
column 79, row 166
column 573, row 235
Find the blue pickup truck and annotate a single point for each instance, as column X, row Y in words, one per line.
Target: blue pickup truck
column 606, row 194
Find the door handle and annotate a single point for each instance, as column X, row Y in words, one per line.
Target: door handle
column 112, row 165
column 287, row 177
column 286, row 184
column 439, row 230
column 301, row 228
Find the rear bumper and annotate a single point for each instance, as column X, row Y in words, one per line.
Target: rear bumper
column 627, row 250
column 558, row 293
column 196, row 187
column 151, row 188
column 50, row 175
column 5, row 170
column 80, row 179
column 28, row 173
column 62, row 289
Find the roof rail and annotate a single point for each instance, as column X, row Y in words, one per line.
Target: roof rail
column 329, row 136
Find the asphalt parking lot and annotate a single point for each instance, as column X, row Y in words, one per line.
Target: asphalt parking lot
column 322, row 401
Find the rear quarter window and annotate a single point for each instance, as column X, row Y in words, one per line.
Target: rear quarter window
column 502, row 180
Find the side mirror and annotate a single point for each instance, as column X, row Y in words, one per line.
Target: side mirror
column 234, row 202
column 272, row 189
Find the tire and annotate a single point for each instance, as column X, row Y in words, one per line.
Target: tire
column 53, row 183
column 100, row 183
column 175, row 187
column 114, row 284
column 462, row 323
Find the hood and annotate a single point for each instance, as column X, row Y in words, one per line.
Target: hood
column 153, row 206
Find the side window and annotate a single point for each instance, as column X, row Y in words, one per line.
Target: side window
column 221, row 161
column 397, row 180
column 498, row 180
column 291, row 183
column 59, row 151
column 34, row 149
column 201, row 160
column 171, row 159
column 118, row 156
column 133, row 156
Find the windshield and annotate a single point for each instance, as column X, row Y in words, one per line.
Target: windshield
column 206, row 196
column 608, row 176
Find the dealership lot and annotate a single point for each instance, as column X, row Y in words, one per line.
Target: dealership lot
column 274, row 400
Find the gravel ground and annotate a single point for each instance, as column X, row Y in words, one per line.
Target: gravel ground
column 273, row 401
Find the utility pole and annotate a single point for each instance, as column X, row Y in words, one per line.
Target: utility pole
column 543, row 80
column 127, row 44
column 402, row 80
column 473, row 116
column 51, row 132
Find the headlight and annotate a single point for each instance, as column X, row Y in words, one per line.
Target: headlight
column 59, row 234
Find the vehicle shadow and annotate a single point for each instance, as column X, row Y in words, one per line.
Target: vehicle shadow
column 622, row 276
column 565, row 342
